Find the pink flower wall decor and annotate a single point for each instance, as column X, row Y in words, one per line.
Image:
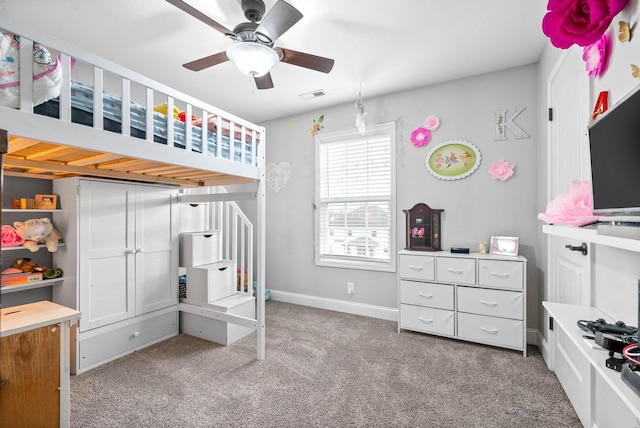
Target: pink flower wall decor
column 501, row 170
column 432, row 122
column 420, row 137
column 596, row 55
column 580, row 22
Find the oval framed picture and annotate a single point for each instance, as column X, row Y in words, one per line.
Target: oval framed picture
column 453, row 160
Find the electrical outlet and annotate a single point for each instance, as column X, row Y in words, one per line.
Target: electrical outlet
column 351, row 288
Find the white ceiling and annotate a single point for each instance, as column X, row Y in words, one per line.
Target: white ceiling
column 379, row 46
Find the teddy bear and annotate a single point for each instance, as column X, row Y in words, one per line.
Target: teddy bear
column 37, row 231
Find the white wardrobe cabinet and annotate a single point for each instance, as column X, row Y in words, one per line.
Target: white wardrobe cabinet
column 120, row 265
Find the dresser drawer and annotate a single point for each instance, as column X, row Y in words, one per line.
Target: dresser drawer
column 496, row 303
column 492, row 331
column 416, row 267
column 501, row 273
column 427, row 320
column 118, row 341
column 427, row 294
column 456, row 270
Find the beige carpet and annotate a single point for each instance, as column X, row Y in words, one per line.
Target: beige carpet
column 323, row 369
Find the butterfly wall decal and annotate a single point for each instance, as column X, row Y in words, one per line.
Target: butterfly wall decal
column 625, row 31
column 317, row 125
column 635, row 70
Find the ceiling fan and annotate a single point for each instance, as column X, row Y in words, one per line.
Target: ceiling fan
column 253, row 52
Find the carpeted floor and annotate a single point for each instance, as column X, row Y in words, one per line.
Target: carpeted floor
column 323, row 369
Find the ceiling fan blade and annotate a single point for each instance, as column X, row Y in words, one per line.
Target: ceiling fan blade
column 264, row 82
column 201, row 16
column 207, row 61
column 277, row 21
column 305, row 60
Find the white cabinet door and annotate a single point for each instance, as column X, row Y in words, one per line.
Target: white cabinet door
column 156, row 269
column 569, row 272
column 128, row 257
column 106, row 285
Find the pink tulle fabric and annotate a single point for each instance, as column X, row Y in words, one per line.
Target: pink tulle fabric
column 573, row 207
column 10, row 237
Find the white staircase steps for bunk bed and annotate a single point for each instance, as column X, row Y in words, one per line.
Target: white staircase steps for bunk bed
column 214, row 305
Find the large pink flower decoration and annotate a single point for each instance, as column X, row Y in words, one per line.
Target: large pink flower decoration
column 596, row 55
column 432, row 122
column 580, row 22
column 420, row 137
column 501, row 170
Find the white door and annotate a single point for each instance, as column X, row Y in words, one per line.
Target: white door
column 568, row 147
column 569, row 272
column 106, row 284
column 156, row 269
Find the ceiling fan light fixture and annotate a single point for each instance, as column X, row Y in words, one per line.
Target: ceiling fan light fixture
column 252, row 59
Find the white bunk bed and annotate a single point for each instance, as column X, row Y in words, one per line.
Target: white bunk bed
column 57, row 129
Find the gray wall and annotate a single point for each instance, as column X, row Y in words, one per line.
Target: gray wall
column 476, row 207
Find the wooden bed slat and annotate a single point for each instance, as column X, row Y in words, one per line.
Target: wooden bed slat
column 43, row 160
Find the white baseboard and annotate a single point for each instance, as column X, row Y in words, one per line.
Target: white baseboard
column 543, row 346
column 382, row 312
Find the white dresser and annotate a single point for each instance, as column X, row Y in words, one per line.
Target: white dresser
column 476, row 297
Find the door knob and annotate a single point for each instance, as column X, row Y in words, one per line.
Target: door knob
column 582, row 248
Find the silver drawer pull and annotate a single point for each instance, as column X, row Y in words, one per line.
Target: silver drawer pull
column 416, row 267
column 455, row 270
column 501, row 275
column 489, row 330
column 426, row 296
column 429, row 321
column 484, row 302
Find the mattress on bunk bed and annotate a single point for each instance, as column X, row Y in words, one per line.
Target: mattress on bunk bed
column 82, row 113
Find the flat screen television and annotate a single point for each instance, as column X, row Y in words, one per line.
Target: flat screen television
column 614, row 143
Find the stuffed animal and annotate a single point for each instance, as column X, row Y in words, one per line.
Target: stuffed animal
column 26, row 265
column 37, row 231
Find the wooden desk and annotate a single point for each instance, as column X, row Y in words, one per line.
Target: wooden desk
column 34, row 365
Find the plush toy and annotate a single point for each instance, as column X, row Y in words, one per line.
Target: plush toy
column 26, row 265
column 36, row 231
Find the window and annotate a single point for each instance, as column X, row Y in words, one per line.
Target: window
column 355, row 198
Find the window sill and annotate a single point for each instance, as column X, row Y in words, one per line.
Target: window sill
column 351, row 264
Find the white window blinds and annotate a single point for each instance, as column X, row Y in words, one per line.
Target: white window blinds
column 356, row 197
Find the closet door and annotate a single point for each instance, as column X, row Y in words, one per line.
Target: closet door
column 106, row 245
column 156, row 269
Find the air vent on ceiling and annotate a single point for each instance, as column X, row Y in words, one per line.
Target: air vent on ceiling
column 313, row 94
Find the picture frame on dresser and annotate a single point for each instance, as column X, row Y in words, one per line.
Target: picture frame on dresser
column 504, row 245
